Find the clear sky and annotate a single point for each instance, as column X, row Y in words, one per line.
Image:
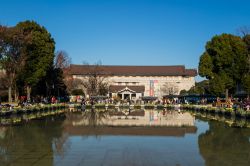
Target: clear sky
column 131, row 32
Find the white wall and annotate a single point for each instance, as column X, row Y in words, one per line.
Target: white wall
column 178, row 81
column 159, row 81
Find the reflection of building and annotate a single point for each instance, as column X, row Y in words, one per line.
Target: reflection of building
column 126, row 130
column 130, row 123
column 132, row 82
column 136, row 118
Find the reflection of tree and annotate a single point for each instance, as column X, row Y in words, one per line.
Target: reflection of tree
column 33, row 139
column 95, row 117
column 225, row 146
column 87, row 121
column 91, row 118
column 61, row 144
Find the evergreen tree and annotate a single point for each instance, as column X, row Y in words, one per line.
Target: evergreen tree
column 39, row 53
column 224, row 63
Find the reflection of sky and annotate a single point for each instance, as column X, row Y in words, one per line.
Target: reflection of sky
column 202, row 126
column 134, row 150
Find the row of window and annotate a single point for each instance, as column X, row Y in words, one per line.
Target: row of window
column 127, row 83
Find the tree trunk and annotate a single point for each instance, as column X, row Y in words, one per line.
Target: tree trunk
column 16, row 95
column 9, row 94
column 47, row 89
column 28, row 93
column 226, row 94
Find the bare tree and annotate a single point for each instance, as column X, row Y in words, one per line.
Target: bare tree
column 170, row 89
column 63, row 61
column 95, row 83
column 243, row 31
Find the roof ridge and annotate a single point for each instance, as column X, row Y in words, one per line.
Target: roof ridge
column 131, row 65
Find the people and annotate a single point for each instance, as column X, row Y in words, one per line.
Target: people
column 248, row 107
column 53, row 100
column 83, row 104
column 92, row 102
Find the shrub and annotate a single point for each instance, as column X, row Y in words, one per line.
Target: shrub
column 160, row 106
column 149, row 106
column 137, row 106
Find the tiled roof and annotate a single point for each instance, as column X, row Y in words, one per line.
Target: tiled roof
column 117, row 88
column 133, row 70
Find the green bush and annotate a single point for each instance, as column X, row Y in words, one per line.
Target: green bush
column 160, row 106
column 111, row 106
column 137, row 106
column 149, row 106
column 101, row 105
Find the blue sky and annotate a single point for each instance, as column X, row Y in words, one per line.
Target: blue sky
column 131, row 32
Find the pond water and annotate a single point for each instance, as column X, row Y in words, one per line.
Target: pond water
column 121, row 138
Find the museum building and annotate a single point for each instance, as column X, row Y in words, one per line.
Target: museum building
column 134, row 82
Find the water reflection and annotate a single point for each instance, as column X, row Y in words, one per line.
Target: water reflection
column 130, row 118
column 29, row 144
column 123, row 137
column 129, row 122
column 222, row 145
column 87, row 118
column 24, row 118
column 229, row 120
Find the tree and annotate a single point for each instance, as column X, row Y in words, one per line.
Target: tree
column 3, row 83
column 183, row 92
column 246, row 77
column 53, row 83
column 170, row 89
column 62, row 65
column 58, row 86
column 77, row 92
column 62, row 60
column 95, row 83
column 224, row 63
column 200, row 88
column 217, row 86
column 206, row 66
column 39, row 53
column 246, row 39
column 12, row 57
column 243, row 31
column 246, row 83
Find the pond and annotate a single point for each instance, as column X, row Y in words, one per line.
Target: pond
column 121, row 138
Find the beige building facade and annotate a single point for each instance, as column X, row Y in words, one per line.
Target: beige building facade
column 134, row 82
